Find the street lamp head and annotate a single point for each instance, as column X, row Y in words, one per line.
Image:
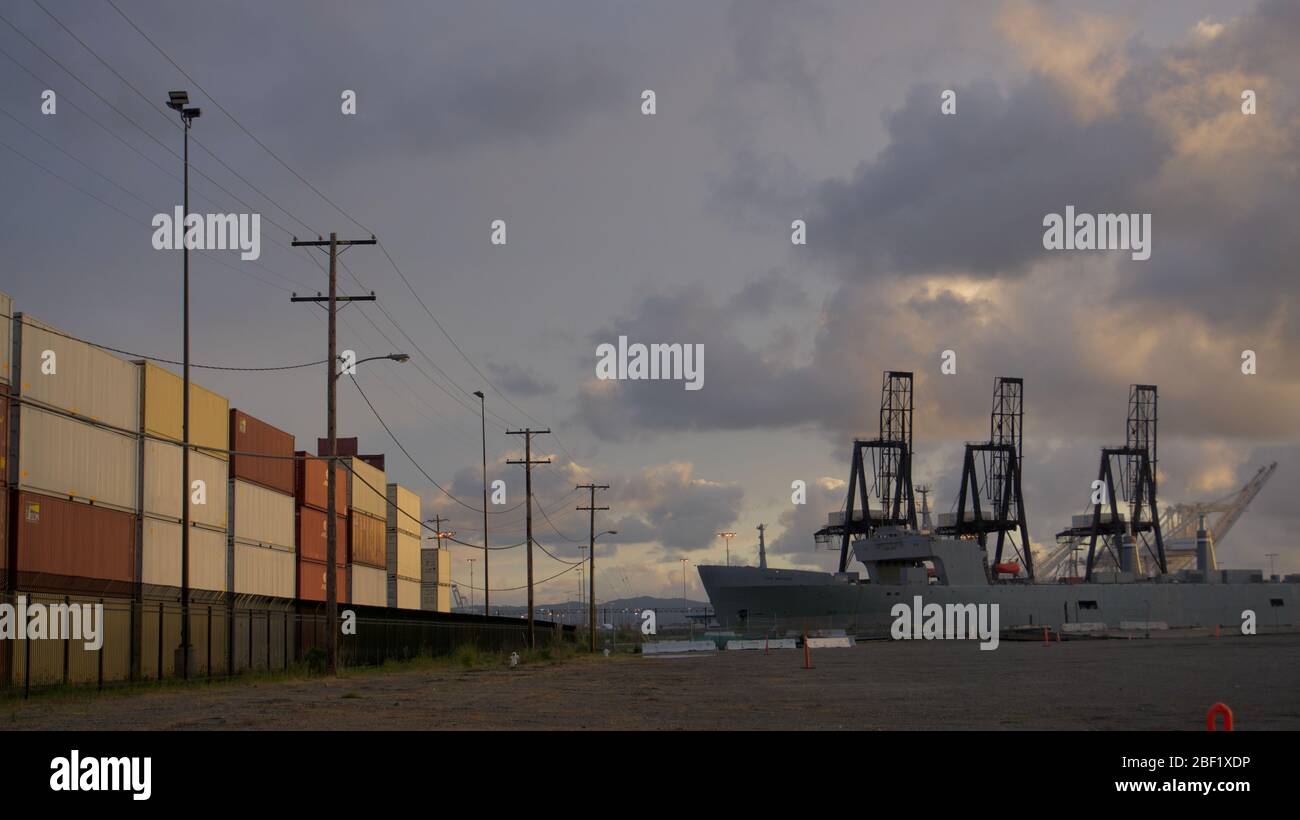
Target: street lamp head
column 191, row 113
column 400, row 357
column 478, row 393
column 177, row 100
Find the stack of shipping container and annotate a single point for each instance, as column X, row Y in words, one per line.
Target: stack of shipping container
column 367, row 519
column 262, row 510
column 311, row 491
column 435, row 579
column 75, row 493
column 403, row 548
column 6, row 342
column 91, row 495
column 162, row 409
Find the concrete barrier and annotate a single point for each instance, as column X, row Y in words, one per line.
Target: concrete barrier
column 774, row 643
column 1084, row 628
column 842, row 642
column 1143, row 626
column 672, row 647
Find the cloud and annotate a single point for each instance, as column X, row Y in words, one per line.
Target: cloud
column 519, row 381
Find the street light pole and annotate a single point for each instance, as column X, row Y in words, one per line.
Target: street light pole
column 179, row 101
column 727, row 536
column 471, row 582
column 482, row 412
column 684, row 607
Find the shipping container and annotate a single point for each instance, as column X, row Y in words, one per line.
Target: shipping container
column 403, row 555
column 435, row 579
column 251, row 435
column 262, row 516
column 366, row 540
column 367, row 586
column 264, row 571
column 375, row 460
column 162, row 484
column 161, row 543
column 312, row 487
column 4, row 539
column 4, row 431
column 311, row 581
column 82, row 378
column 403, row 512
column 70, row 546
column 367, row 490
column 342, row 446
column 312, row 541
column 67, row 458
column 6, row 340
column 403, row 593
column 209, row 412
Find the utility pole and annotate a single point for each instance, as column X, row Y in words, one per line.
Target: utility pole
column 331, row 414
column 482, row 407
column 528, row 463
column 591, row 555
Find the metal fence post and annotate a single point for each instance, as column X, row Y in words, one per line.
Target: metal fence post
column 209, row 641
column 268, row 640
column 67, row 603
column 286, row 641
column 100, row 653
column 250, row 640
column 27, row 668
column 160, row 640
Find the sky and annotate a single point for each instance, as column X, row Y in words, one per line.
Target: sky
column 924, row 235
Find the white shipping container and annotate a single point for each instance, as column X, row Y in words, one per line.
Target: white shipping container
column 264, row 571
column 64, row 457
column 86, row 380
column 369, row 585
column 162, row 483
column 162, row 555
column 366, row 489
column 403, row 555
column 6, row 340
column 262, row 516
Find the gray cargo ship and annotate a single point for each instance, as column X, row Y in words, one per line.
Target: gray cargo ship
column 902, row 564
column 961, row 562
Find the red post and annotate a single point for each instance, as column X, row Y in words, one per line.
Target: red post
column 1211, row 717
column 765, row 645
column 807, row 652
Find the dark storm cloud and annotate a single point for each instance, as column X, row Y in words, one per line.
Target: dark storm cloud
column 968, row 192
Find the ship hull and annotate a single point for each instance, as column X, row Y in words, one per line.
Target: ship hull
column 751, row 601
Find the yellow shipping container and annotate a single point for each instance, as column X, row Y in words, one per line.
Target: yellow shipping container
column 403, row 555
column 408, row 594
column 85, row 380
column 263, row 516
column 209, row 412
column 403, row 512
column 367, row 489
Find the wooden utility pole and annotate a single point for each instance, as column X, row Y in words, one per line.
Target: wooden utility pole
column 528, row 463
column 591, row 556
column 331, row 411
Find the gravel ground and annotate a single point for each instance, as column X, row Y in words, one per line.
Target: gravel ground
column 1165, row 683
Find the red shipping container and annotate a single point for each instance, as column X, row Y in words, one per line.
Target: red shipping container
column 251, row 435
column 310, row 489
column 366, row 540
column 311, row 581
column 4, row 434
column 343, row 446
column 71, row 540
column 312, row 542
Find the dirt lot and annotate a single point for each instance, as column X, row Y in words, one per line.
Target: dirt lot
column 1117, row 684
